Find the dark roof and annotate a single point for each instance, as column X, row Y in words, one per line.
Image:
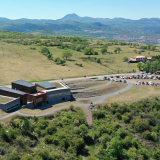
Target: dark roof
column 12, row 90
column 23, row 83
column 46, row 85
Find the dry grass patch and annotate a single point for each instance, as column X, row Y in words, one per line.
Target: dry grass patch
column 38, row 111
column 135, row 93
column 2, row 113
column 113, row 87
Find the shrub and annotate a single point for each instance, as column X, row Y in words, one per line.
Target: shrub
column 99, row 114
column 51, row 129
column 127, row 142
column 154, row 136
column 118, row 116
column 156, row 154
column 125, row 119
column 116, row 125
column 121, row 133
column 140, row 125
column 71, row 107
column 147, row 135
column 13, row 156
column 115, row 149
column 48, row 139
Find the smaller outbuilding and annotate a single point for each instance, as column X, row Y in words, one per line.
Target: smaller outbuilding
column 45, row 85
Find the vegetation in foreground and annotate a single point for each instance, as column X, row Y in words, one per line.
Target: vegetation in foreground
column 119, row 131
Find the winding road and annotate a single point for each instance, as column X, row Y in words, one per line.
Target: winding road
column 100, row 100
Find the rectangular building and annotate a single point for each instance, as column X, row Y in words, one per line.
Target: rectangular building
column 24, row 86
column 45, row 85
column 137, row 58
column 9, row 92
column 58, row 95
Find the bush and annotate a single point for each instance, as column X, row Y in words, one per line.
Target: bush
column 118, row 116
column 121, row 133
column 99, row 114
column 147, row 135
column 115, row 149
column 14, row 156
column 140, row 125
column 116, row 125
column 51, row 129
column 125, row 119
column 71, row 107
column 127, row 142
column 48, row 139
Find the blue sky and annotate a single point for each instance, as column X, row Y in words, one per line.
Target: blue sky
column 55, row 9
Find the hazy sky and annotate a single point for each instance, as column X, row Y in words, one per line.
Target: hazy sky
column 55, row 9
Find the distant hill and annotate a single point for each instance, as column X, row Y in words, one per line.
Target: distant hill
column 74, row 25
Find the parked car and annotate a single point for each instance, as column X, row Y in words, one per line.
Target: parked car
column 105, row 77
column 130, row 77
column 117, row 76
column 120, row 80
column 109, row 79
column 112, row 79
column 149, row 73
column 142, row 72
column 159, row 78
column 116, row 80
column 111, row 76
column 125, row 77
column 143, row 83
column 147, row 83
column 151, row 83
column 154, row 78
column 124, row 81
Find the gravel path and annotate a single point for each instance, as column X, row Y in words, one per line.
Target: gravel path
column 101, row 100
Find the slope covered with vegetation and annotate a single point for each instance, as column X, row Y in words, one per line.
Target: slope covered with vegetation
column 37, row 58
column 119, row 131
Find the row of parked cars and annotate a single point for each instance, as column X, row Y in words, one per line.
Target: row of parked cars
column 139, row 76
column 114, row 80
column 147, row 83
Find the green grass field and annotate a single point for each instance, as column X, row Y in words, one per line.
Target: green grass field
column 20, row 62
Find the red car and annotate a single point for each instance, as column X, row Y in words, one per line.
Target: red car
column 147, row 83
column 128, row 77
column 143, row 83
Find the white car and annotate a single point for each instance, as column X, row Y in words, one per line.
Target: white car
column 142, row 72
column 116, row 80
column 149, row 73
column 125, row 77
column 150, row 83
column 154, row 78
column 112, row 79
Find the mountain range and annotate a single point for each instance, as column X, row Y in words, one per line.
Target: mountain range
column 89, row 27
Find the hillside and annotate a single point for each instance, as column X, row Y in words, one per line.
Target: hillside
column 119, row 131
column 21, row 57
column 103, row 28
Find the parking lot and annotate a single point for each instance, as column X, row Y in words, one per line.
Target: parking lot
column 138, row 79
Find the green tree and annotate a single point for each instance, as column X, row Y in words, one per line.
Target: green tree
column 139, row 66
column 115, row 51
column 103, row 50
column 66, row 54
column 135, row 51
column 125, row 58
column 98, row 60
column 115, row 148
column 118, row 49
column 25, row 126
column 83, row 129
